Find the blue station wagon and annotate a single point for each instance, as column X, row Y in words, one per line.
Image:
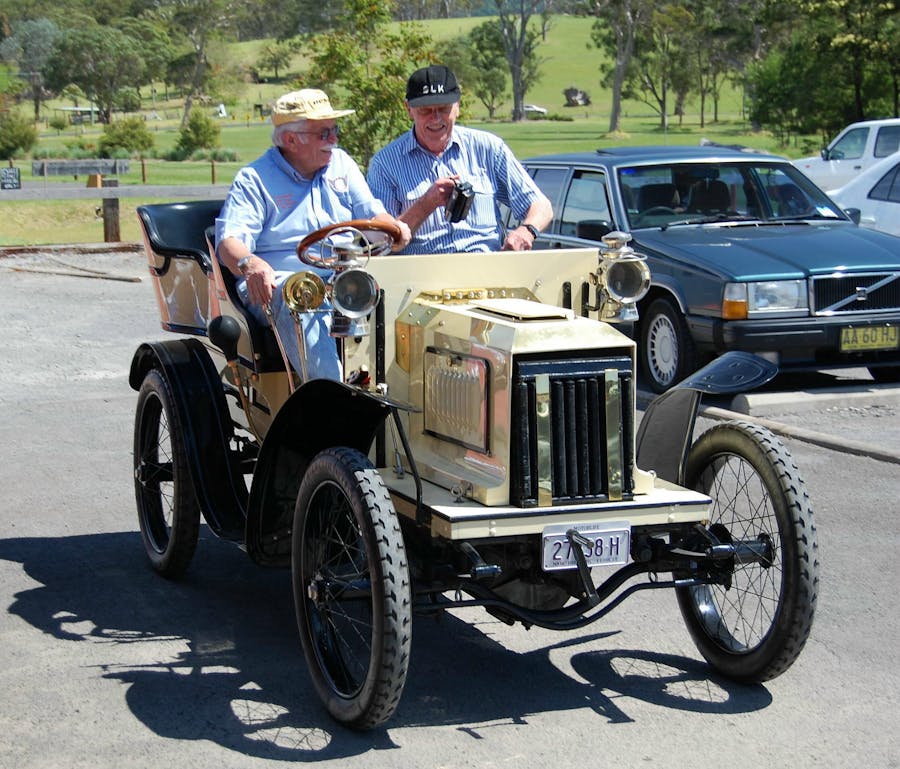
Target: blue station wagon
column 745, row 253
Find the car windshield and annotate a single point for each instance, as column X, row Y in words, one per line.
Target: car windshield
column 674, row 194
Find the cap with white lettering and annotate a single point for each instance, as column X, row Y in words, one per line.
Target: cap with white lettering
column 432, row 85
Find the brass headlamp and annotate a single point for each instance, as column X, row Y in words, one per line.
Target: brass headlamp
column 623, row 279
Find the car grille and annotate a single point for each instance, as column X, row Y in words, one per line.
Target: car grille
column 859, row 293
column 571, row 441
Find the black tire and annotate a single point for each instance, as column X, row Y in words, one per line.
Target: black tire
column 885, row 374
column 756, row 628
column 167, row 507
column 667, row 350
column 351, row 588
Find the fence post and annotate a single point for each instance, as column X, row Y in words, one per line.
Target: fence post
column 111, row 233
column 213, row 167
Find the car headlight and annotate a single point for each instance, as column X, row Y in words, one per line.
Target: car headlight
column 765, row 298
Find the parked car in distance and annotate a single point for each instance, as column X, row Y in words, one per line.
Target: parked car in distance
column 855, row 149
column 534, row 109
column 745, row 253
column 875, row 194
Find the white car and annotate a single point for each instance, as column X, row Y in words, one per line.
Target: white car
column 855, row 149
column 534, row 109
column 876, row 193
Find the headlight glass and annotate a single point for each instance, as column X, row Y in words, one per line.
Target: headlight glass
column 767, row 297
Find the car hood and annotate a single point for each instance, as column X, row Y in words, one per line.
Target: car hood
column 768, row 251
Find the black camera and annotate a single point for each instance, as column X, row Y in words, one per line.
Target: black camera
column 460, row 202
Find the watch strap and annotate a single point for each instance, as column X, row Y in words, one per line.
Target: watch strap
column 532, row 229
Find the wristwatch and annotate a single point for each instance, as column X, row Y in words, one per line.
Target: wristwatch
column 242, row 263
column 532, row 229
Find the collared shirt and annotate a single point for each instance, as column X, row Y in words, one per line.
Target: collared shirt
column 401, row 173
column 270, row 207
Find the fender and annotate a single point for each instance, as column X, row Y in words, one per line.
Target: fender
column 203, row 412
column 665, row 433
column 320, row 414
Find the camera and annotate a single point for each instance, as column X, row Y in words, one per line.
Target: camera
column 460, row 202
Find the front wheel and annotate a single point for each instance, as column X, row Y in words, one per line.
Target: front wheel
column 755, row 627
column 667, row 350
column 351, row 588
column 168, row 512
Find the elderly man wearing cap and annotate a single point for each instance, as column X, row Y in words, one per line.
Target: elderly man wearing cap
column 302, row 183
column 416, row 174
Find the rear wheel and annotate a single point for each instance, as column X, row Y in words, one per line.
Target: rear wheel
column 351, row 588
column 168, row 512
column 755, row 627
column 667, row 350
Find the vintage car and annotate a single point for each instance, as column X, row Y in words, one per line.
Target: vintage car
column 483, row 451
column 745, row 254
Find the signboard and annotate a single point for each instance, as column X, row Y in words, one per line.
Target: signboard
column 10, row 179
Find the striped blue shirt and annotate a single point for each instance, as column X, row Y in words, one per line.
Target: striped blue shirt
column 401, row 173
column 270, row 207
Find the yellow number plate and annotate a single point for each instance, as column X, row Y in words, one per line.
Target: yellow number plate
column 870, row 338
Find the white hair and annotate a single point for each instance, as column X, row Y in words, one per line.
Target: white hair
column 279, row 130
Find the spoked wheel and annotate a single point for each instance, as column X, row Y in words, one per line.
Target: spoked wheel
column 167, row 507
column 351, row 588
column 753, row 629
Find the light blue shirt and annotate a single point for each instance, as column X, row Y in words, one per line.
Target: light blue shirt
column 270, row 207
column 401, row 173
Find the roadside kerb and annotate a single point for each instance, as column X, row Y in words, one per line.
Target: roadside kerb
column 846, row 445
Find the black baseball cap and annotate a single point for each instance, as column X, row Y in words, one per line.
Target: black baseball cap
column 432, row 85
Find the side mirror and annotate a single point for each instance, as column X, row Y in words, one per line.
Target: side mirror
column 824, row 153
column 854, row 214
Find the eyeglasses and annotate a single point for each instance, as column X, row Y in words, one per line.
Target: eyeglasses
column 324, row 135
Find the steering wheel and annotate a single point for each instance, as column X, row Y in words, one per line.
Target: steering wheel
column 351, row 239
column 654, row 210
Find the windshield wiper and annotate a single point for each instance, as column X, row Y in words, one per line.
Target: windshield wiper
column 711, row 219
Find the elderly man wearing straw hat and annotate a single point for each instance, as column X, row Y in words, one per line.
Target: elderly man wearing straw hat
column 300, row 184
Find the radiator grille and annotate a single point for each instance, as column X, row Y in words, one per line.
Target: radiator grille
column 850, row 294
column 568, row 445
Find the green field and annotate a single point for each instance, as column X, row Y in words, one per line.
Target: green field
column 567, row 60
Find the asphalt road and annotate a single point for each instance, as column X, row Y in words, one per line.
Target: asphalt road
column 104, row 664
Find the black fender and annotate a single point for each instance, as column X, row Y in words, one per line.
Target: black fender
column 664, row 437
column 200, row 400
column 320, row 414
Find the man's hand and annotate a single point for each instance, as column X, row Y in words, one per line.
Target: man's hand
column 260, row 281
column 519, row 239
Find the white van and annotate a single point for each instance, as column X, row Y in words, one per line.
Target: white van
column 858, row 147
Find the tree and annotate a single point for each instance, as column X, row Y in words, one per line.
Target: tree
column 201, row 23
column 16, row 135
column 614, row 30
column 201, row 132
column 519, row 44
column 100, row 60
column 129, row 134
column 663, row 58
column 364, row 66
column 30, row 47
column 275, row 56
column 153, row 42
column 479, row 62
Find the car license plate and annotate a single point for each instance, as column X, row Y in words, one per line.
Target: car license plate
column 856, row 338
column 610, row 545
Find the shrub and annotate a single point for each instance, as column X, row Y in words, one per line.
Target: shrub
column 58, row 123
column 125, row 136
column 200, row 133
column 17, row 134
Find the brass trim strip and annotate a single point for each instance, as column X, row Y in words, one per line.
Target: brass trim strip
column 544, row 436
column 613, row 434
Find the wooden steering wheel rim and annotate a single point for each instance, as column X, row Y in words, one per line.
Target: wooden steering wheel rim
column 388, row 228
